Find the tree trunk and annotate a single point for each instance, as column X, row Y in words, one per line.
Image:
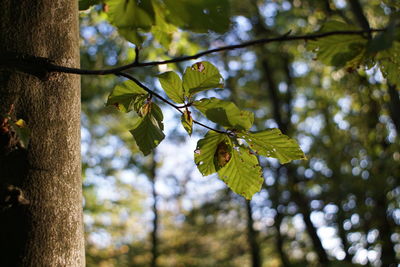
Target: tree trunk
column 388, row 254
column 297, row 197
column 252, row 237
column 44, row 227
column 154, row 233
column 394, row 107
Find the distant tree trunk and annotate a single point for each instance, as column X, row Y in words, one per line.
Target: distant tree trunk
column 297, row 197
column 394, row 107
column 388, row 255
column 41, row 212
column 274, row 193
column 252, row 237
column 279, row 240
column 311, row 230
column 154, row 233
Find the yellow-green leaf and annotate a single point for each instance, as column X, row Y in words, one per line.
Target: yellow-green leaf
column 272, row 143
column 172, row 85
column 187, row 122
column 225, row 113
column 205, row 152
column 242, row 173
column 201, row 76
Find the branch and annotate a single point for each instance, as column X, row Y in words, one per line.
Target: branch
column 358, row 12
column 151, row 92
column 28, row 66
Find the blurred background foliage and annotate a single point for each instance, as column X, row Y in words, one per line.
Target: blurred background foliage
column 338, row 208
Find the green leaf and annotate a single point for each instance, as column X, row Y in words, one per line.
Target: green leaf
column 23, row 132
column 130, row 17
column 147, row 131
column 205, row 152
column 127, row 96
column 272, row 143
column 223, row 154
column 389, row 62
column 225, row 113
column 384, row 40
column 172, row 85
column 392, row 3
column 200, row 15
column 162, row 30
column 86, row 4
column 337, row 50
column 187, row 122
column 201, row 76
column 242, row 173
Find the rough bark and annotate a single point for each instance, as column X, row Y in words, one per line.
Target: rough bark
column 252, row 237
column 46, row 229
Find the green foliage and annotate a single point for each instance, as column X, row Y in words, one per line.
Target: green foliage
column 205, row 151
column 225, row 113
column 187, row 122
column 387, row 46
column 130, row 17
column 272, row 143
column 389, row 61
column 172, row 85
column 23, row 132
column 236, row 164
column 200, row 15
column 392, row 3
column 135, row 18
column 242, row 173
column 148, row 130
column 127, row 96
column 338, row 50
column 216, row 152
column 201, row 76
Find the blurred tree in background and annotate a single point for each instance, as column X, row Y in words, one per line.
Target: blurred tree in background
column 338, row 208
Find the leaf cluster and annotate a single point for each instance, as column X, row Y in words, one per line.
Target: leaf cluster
column 231, row 153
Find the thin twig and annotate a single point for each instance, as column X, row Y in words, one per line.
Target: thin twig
column 144, row 87
column 130, row 77
column 136, row 64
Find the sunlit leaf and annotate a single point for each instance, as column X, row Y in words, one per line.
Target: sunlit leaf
column 242, row 173
column 272, row 143
column 127, row 96
column 147, row 131
column 389, row 62
column 23, row 132
column 225, row 113
column 187, row 122
column 172, row 85
column 201, row 76
column 162, row 30
column 205, row 152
